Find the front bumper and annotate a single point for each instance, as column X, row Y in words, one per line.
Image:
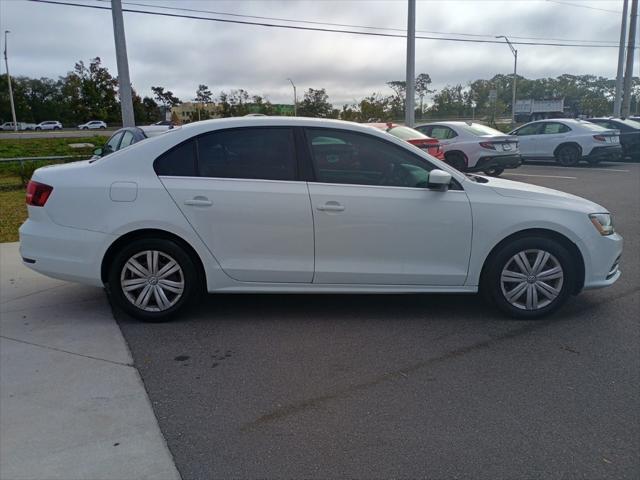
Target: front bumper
column 602, row 267
column 496, row 161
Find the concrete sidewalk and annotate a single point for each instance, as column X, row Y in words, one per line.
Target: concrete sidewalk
column 72, row 406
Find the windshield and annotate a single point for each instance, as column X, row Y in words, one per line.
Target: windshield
column 479, row 129
column 406, row 133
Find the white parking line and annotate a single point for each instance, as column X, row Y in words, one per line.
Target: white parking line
column 584, row 169
column 542, row 176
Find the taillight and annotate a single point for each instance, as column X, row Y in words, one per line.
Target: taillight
column 488, row 145
column 600, row 138
column 38, row 193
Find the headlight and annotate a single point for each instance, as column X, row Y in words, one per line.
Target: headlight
column 603, row 223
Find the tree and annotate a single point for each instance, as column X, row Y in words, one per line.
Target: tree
column 422, row 89
column 234, row 103
column 203, row 96
column 315, row 104
column 165, row 97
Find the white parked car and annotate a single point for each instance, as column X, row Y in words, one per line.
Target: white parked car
column 568, row 141
column 277, row 204
column 49, row 125
column 92, row 125
column 473, row 147
column 21, row 126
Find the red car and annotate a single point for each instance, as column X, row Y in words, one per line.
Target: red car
column 414, row 137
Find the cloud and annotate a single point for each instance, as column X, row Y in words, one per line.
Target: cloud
column 179, row 54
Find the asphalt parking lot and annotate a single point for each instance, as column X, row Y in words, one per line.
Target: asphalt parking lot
column 407, row 386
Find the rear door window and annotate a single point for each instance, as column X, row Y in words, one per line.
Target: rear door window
column 532, row 129
column 180, row 161
column 253, row 153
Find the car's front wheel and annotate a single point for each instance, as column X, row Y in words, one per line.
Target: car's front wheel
column 152, row 279
column 529, row 277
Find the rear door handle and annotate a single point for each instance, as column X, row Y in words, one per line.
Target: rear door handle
column 199, row 202
column 330, row 207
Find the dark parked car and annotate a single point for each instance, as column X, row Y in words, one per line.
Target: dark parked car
column 119, row 140
column 629, row 134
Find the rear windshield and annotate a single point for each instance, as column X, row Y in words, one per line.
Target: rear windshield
column 592, row 126
column 631, row 123
column 406, row 133
column 479, row 129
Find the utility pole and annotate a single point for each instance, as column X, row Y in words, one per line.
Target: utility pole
column 617, row 103
column 513, row 84
column 6, row 62
column 410, row 108
column 628, row 74
column 295, row 99
column 124, row 83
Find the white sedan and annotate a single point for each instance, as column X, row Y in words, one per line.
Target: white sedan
column 473, row 147
column 93, row 125
column 276, row 204
column 568, row 141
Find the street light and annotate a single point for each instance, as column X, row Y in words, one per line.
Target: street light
column 295, row 99
column 515, row 67
column 6, row 62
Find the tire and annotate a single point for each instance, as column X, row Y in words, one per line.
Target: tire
column 494, row 172
column 457, row 161
column 38, row 128
column 102, row 128
column 57, row 128
column 84, row 128
column 568, row 155
column 521, row 293
column 149, row 298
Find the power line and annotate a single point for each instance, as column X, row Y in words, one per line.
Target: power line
column 348, row 25
column 317, row 29
column 569, row 4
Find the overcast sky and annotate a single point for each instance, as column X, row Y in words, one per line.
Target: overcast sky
column 177, row 53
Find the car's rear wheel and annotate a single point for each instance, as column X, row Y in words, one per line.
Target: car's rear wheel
column 38, row 128
column 152, row 279
column 494, row 172
column 568, row 155
column 529, row 277
column 457, row 161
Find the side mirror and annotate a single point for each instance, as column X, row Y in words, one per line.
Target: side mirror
column 439, row 180
column 97, row 151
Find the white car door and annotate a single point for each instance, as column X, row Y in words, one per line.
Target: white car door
column 528, row 136
column 240, row 194
column 551, row 135
column 375, row 220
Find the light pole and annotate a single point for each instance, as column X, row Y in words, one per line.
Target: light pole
column 124, row 83
column 617, row 103
column 410, row 95
column 6, row 62
column 295, row 99
column 515, row 69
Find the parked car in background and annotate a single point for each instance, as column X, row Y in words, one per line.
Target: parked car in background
column 281, row 204
column 414, row 137
column 93, row 125
column 126, row 136
column 473, row 147
column 49, row 125
column 629, row 134
column 568, row 141
column 21, row 126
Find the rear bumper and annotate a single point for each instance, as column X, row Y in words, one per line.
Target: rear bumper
column 608, row 152
column 496, row 161
column 61, row 252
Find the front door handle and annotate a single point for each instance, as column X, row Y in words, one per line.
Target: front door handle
column 199, row 202
column 330, row 207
